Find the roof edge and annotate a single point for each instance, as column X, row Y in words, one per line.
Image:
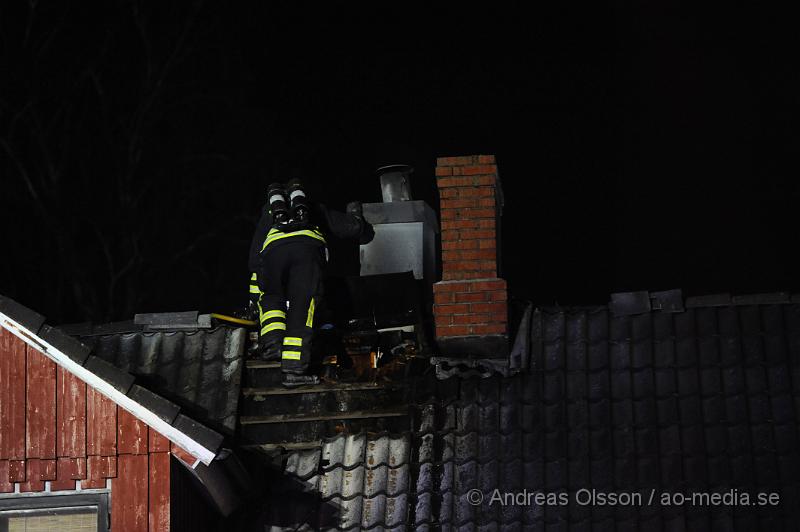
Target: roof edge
column 205, row 452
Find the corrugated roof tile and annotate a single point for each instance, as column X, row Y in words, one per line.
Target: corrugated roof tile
column 367, row 478
column 695, row 399
column 330, row 483
column 198, row 370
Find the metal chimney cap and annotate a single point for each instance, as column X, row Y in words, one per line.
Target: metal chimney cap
column 395, row 182
column 402, row 168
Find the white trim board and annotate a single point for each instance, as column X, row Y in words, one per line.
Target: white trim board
column 150, row 418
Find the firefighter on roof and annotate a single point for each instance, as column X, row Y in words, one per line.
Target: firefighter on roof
column 287, row 257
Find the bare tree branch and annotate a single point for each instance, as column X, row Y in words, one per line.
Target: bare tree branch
column 83, row 141
column 22, row 173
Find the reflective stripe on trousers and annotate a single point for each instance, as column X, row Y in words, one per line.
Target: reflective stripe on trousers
column 271, row 320
column 293, row 342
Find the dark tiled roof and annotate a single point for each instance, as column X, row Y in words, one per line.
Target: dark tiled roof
column 362, row 483
column 703, row 399
column 199, row 370
column 700, row 400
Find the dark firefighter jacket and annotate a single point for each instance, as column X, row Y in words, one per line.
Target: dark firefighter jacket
column 330, row 222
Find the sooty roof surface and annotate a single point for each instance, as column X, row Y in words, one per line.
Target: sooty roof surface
column 199, row 370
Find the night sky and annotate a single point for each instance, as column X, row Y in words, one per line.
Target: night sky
column 640, row 148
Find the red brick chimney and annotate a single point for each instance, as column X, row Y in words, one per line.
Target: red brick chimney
column 470, row 300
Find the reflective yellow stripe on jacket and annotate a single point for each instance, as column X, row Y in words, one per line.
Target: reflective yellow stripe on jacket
column 275, row 234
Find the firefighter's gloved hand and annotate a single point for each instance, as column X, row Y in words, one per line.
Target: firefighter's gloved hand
column 355, row 208
column 367, row 233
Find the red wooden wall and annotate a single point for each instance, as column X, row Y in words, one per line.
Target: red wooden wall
column 53, row 427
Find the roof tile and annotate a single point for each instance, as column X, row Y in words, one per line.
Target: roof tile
column 686, row 400
column 163, row 408
column 119, row 379
column 198, row 370
column 210, row 439
column 74, row 349
column 26, row 317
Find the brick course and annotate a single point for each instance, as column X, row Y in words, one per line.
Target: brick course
column 470, row 300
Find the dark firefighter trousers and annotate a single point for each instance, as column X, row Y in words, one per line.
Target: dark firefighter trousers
column 289, row 280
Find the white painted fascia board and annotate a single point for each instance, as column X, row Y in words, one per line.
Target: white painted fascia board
column 177, row 437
